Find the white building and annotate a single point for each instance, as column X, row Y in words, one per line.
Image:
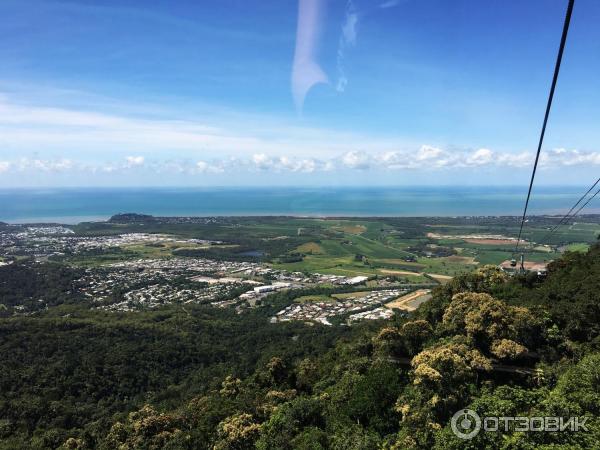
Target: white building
column 357, row 280
column 265, row 288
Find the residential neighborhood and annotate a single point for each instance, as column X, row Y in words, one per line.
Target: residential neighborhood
column 361, row 307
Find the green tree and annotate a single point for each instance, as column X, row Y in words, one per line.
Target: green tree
column 237, row 432
column 415, row 334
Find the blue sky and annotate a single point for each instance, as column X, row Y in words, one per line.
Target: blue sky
column 226, row 92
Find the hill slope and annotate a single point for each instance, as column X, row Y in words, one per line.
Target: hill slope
column 213, row 379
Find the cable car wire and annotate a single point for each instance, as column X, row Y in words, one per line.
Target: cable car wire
column 581, row 207
column 565, row 218
column 561, row 48
column 585, row 204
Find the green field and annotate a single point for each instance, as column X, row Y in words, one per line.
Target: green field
column 314, row 299
column 383, row 247
column 577, row 247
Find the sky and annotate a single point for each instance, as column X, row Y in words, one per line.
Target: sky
column 302, row 93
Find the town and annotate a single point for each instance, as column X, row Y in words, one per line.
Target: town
column 151, row 283
column 133, row 263
column 360, row 306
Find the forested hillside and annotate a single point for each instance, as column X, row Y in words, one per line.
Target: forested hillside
column 207, row 378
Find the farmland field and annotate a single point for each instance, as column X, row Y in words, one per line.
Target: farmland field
column 411, row 250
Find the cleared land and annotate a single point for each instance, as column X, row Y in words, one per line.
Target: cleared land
column 484, row 241
column 462, row 259
column 441, row 278
column 351, row 229
column 397, row 272
column 410, row 302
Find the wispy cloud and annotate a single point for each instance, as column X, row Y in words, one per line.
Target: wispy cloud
column 27, row 127
column 389, row 4
column 22, row 126
column 347, row 39
column 349, row 27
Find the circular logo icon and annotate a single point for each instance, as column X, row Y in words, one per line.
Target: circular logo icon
column 466, row 423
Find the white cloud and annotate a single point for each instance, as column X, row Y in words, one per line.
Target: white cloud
column 262, row 161
column 567, row 158
column 516, row 160
column 356, row 160
column 207, row 167
column 170, row 166
column 481, row 157
column 428, row 153
column 43, row 165
column 134, row 161
column 427, row 159
column 294, row 165
column 283, row 163
column 307, row 166
column 202, row 166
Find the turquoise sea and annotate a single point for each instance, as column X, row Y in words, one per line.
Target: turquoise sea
column 72, row 205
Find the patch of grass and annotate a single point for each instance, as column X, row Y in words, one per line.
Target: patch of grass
column 373, row 248
column 461, row 259
column 492, row 256
column 314, row 263
column 450, row 265
column 351, row 228
column 578, row 247
column 351, row 294
column 311, row 248
column 314, row 299
column 334, row 248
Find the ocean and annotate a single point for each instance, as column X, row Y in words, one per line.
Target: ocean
column 72, row 205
